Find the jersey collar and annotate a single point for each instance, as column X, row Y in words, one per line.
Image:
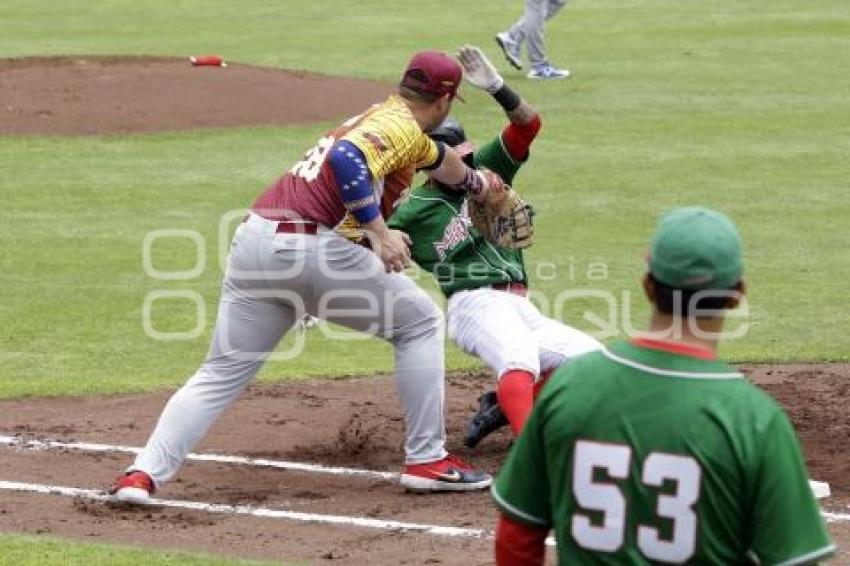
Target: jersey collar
column 672, row 347
column 658, row 359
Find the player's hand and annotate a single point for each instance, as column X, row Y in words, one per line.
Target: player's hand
column 393, row 247
column 479, row 71
column 493, row 187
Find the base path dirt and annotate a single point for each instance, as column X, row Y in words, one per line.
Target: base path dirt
column 353, row 423
column 122, row 95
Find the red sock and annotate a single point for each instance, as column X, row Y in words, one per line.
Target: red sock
column 516, row 397
column 544, row 377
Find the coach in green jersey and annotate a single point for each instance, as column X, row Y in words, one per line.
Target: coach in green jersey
column 488, row 313
column 655, row 452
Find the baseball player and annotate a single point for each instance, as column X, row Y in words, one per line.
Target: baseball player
column 488, row 313
column 286, row 260
column 653, row 451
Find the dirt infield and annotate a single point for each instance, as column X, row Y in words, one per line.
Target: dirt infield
column 353, row 423
column 121, row 95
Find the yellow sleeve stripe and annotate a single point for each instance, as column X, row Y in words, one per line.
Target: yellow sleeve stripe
column 360, row 203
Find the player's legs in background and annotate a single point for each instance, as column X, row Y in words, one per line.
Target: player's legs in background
column 511, row 40
column 352, row 289
column 554, row 7
column 534, row 14
column 252, row 318
column 541, row 68
column 530, row 29
column 485, row 323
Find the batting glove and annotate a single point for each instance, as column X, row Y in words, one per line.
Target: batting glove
column 479, row 71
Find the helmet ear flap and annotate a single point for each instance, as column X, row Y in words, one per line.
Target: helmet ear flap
column 452, row 134
column 449, row 132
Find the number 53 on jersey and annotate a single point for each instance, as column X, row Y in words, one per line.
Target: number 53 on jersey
column 600, row 522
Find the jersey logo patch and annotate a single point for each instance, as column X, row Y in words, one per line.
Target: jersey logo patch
column 456, row 232
column 376, row 142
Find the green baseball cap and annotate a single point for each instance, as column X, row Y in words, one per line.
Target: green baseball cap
column 696, row 248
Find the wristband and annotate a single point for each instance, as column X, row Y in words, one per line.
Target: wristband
column 507, row 98
column 473, row 182
column 441, row 154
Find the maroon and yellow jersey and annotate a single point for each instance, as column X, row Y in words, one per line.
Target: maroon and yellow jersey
column 394, row 147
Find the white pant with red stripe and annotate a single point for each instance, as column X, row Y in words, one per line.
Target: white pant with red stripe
column 507, row 332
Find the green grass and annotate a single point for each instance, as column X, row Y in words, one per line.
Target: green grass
column 36, row 551
column 738, row 106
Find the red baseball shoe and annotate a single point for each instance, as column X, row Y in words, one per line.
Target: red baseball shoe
column 449, row 474
column 133, row 487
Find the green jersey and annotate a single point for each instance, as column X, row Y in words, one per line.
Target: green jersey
column 444, row 241
column 636, row 455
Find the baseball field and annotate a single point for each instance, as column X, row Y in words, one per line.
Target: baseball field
column 125, row 170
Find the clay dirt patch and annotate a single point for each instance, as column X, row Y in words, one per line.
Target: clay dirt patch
column 123, row 95
column 354, row 423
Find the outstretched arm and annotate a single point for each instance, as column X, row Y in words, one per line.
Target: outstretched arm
column 482, row 74
column 524, row 118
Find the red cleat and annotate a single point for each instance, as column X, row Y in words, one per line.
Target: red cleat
column 449, row 474
column 133, row 487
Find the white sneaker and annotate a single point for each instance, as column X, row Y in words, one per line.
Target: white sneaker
column 547, row 72
column 510, row 49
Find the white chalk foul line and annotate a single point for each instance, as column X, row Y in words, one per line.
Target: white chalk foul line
column 820, row 489
column 835, row 517
column 221, row 508
column 218, row 458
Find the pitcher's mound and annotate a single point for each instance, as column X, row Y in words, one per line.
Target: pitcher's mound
column 120, row 95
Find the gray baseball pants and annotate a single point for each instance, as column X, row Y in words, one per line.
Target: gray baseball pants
column 270, row 282
column 530, row 27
